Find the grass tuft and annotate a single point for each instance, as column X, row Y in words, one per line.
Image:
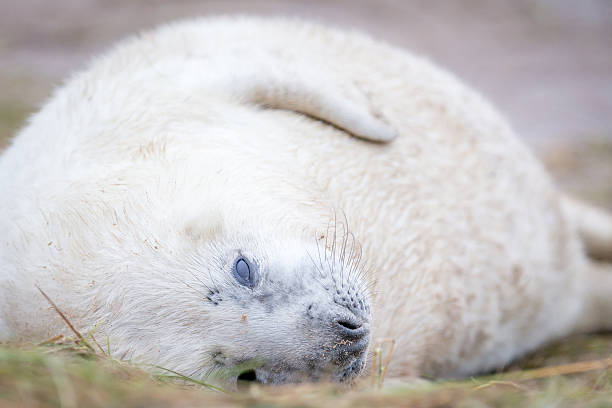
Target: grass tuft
column 64, row 373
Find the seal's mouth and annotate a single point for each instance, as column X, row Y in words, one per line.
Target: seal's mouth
column 350, row 369
column 246, row 378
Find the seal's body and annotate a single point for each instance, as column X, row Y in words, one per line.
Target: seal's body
column 176, row 197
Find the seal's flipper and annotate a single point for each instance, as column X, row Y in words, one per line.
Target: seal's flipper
column 324, row 100
column 594, row 226
column 302, row 87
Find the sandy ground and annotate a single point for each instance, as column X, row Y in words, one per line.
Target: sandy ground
column 547, row 64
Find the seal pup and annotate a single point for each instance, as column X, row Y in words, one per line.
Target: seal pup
column 177, row 196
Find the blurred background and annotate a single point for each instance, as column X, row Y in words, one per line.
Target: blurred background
column 546, row 64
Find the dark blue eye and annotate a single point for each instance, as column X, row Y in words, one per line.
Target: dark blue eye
column 245, row 272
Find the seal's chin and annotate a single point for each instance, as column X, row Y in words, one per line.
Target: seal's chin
column 275, row 376
column 352, row 371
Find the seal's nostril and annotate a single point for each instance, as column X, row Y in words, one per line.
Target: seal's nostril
column 351, row 325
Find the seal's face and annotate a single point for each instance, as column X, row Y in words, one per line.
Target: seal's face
column 292, row 312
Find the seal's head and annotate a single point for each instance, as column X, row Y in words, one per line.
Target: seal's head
column 287, row 311
column 232, row 301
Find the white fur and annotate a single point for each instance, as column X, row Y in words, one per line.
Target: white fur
column 126, row 192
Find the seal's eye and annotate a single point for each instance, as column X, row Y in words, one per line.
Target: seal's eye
column 245, row 272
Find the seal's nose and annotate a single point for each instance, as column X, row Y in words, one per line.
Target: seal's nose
column 351, row 327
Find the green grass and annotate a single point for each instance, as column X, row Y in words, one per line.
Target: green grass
column 573, row 373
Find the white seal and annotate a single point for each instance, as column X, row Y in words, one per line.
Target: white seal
column 186, row 195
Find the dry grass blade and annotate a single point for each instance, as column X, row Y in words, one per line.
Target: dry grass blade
column 96, row 342
column 51, row 340
column 192, row 380
column 491, row 383
column 388, row 360
column 379, row 369
column 512, row 378
column 572, row 368
column 91, row 334
column 64, row 318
